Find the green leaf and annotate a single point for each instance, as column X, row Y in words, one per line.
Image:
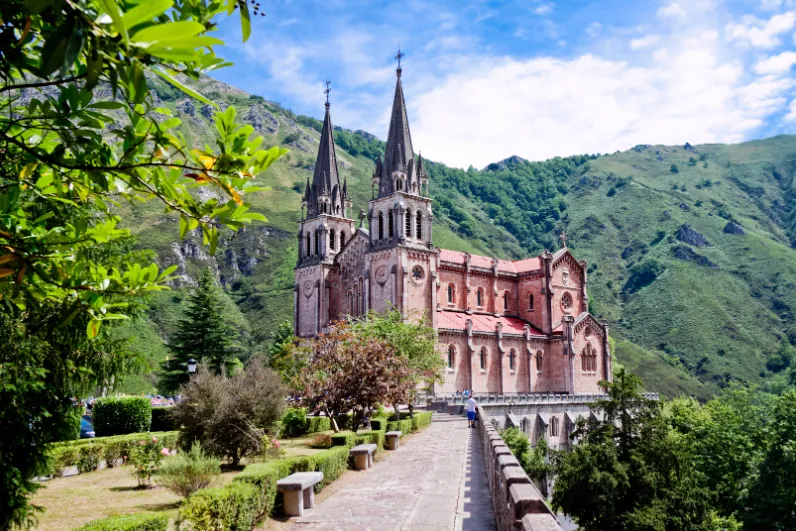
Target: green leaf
column 145, row 12
column 93, row 328
column 34, row 7
column 245, row 21
column 112, row 8
column 189, row 91
column 168, row 33
column 106, row 105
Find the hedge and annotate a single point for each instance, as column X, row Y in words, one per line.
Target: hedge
column 296, row 423
column 161, row 419
column 317, row 424
column 87, row 454
column 128, row 522
column 421, row 420
column 332, row 462
column 233, row 507
column 404, row 426
column 123, row 415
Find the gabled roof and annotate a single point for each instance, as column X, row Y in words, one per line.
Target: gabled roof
column 456, row 320
column 526, row 265
column 544, row 417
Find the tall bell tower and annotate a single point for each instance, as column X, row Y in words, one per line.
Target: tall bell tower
column 400, row 218
column 324, row 229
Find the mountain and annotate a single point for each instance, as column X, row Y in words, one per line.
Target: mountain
column 690, row 248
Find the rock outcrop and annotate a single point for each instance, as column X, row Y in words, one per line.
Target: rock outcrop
column 687, row 234
column 733, row 228
column 686, row 254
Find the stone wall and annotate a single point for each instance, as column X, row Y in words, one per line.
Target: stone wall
column 517, row 504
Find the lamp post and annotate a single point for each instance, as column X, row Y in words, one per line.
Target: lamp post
column 191, row 366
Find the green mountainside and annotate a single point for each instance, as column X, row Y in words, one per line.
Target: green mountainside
column 690, row 249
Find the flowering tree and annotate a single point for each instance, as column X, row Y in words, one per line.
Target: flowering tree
column 346, row 371
column 145, row 458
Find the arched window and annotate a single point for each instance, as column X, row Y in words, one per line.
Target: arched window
column 554, row 427
column 390, row 223
column 505, row 301
column 419, row 226
column 539, row 357
column 479, row 297
column 451, row 356
column 350, row 302
column 317, row 243
column 584, row 366
column 331, row 239
column 356, row 300
column 342, row 239
column 512, row 357
column 451, row 293
column 309, row 244
column 408, row 223
column 381, row 225
column 483, row 358
column 525, row 425
column 530, row 302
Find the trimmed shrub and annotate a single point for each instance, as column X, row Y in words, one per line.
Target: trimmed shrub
column 404, row 426
column 344, row 439
column 332, row 462
column 129, row 522
column 421, row 420
column 378, row 424
column 376, row 437
column 60, row 458
column 188, row 472
column 295, row 422
column 321, row 440
column 234, row 507
column 264, row 476
column 120, row 416
column 317, row 424
column 161, row 419
column 88, row 457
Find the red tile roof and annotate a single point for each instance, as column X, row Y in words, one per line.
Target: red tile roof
column 482, row 322
column 517, row 266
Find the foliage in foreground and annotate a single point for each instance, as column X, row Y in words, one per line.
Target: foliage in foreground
column 230, row 414
column 129, row 522
column 187, row 472
column 67, row 161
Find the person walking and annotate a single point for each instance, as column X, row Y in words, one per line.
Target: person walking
column 472, row 407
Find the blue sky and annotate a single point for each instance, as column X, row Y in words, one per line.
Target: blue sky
column 487, row 79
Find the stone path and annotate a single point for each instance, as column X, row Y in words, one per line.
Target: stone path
column 434, row 482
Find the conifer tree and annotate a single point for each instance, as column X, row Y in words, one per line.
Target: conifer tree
column 204, row 333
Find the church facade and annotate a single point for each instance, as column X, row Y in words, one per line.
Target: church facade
column 504, row 327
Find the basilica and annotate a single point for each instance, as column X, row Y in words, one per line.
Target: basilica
column 504, row 327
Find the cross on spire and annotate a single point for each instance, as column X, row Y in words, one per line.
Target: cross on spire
column 327, row 91
column 398, row 57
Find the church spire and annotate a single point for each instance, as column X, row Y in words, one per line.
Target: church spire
column 325, row 196
column 399, row 150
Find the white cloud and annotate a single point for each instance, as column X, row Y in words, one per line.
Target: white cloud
column 644, row 42
column 593, row 29
column 672, row 10
column 791, row 116
column 776, row 64
column 544, row 107
column 543, row 9
column 760, row 33
column 770, row 5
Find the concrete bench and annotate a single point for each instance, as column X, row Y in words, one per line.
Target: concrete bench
column 363, row 456
column 392, row 439
column 298, row 491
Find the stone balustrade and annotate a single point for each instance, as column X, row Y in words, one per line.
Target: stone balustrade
column 517, row 504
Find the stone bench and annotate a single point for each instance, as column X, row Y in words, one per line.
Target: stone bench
column 392, row 439
column 363, row 456
column 298, row 491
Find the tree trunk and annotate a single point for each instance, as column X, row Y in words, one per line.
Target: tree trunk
column 397, row 412
column 331, row 419
column 411, row 410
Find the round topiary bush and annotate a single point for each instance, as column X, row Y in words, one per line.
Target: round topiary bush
column 119, row 416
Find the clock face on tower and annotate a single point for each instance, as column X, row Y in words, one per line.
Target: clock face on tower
column 381, row 274
column 418, row 274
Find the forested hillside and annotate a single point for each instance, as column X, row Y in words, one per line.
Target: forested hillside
column 690, row 247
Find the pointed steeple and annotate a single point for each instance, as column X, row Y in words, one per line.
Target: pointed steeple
column 326, row 178
column 399, row 142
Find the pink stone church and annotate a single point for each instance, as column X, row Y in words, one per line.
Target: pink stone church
column 505, row 327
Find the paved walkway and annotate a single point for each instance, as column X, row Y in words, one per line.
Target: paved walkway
column 434, row 482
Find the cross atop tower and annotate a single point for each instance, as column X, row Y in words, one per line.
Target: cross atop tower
column 563, row 238
column 327, row 91
column 398, row 57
